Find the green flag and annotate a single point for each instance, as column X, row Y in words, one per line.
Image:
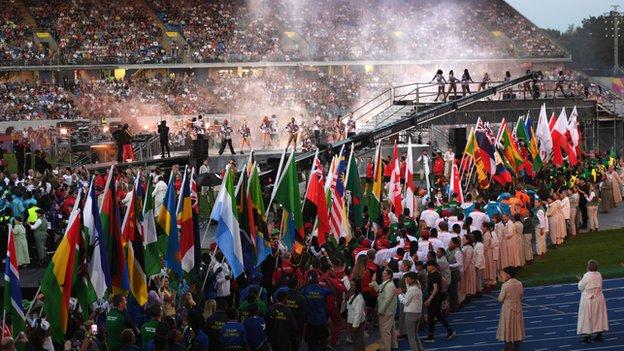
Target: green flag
column 287, row 195
column 152, row 253
column 354, row 187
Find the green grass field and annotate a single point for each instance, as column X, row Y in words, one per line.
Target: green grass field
column 563, row 264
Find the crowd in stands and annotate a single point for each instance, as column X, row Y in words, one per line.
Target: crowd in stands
column 393, row 274
column 35, row 100
column 88, row 31
column 17, row 45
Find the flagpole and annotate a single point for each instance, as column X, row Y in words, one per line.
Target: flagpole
column 32, row 303
column 276, row 182
column 347, row 208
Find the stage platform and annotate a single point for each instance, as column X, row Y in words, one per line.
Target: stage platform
column 216, row 162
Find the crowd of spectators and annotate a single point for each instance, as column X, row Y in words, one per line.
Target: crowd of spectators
column 284, row 92
column 17, row 44
column 92, row 32
column 35, row 100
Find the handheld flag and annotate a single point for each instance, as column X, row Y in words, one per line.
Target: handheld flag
column 287, row 195
column 186, row 245
column 228, row 237
column 12, row 288
column 57, row 280
column 99, row 269
column 150, row 237
column 132, row 236
column 109, row 214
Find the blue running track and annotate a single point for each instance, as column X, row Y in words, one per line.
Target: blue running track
column 550, row 314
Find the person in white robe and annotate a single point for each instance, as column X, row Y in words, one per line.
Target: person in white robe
column 592, row 316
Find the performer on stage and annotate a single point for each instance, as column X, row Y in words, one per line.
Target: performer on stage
column 273, row 130
column 265, row 129
column 245, row 133
column 226, row 137
column 163, row 132
column 293, row 129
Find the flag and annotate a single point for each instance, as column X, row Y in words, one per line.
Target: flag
column 354, row 190
column 485, row 153
column 338, row 221
column 574, row 132
column 263, row 241
column 195, row 201
column 99, row 269
column 287, row 195
column 132, row 236
column 510, row 148
column 455, row 186
column 152, row 252
column 167, row 227
column 186, row 245
column 246, row 221
column 543, row 134
column 13, row 289
column 472, row 150
column 394, row 186
column 560, row 141
column 523, row 142
column 534, row 150
column 501, row 175
column 228, row 237
column 56, row 284
column 109, row 214
column 410, row 188
column 374, row 202
column 315, row 196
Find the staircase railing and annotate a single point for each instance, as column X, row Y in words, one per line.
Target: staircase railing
column 145, row 150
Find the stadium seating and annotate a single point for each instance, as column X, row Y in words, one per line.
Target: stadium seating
column 90, row 31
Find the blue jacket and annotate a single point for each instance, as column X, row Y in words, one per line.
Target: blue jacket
column 233, row 336
column 255, row 328
column 317, row 303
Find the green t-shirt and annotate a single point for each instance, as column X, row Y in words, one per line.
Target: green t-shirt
column 148, row 330
column 115, row 324
column 244, row 307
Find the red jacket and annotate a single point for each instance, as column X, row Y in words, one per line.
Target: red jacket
column 369, row 170
column 288, row 269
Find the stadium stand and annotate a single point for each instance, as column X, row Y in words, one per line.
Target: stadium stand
column 92, row 32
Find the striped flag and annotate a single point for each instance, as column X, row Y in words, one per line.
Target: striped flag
column 263, row 243
column 185, row 224
column 338, row 221
column 56, row 284
column 167, row 225
column 12, row 288
column 99, row 269
column 109, row 214
column 132, row 236
column 228, row 237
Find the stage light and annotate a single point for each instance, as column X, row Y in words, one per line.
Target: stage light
column 63, row 131
column 105, row 129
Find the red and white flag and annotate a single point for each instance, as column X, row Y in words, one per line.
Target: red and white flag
column 455, row 186
column 410, row 188
column 394, row 186
column 575, row 133
column 560, row 141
